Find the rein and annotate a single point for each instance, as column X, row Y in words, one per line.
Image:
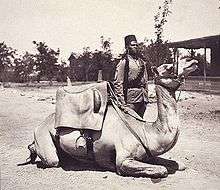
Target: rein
column 178, row 98
column 180, row 91
column 119, row 112
column 117, row 102
column 170, row 76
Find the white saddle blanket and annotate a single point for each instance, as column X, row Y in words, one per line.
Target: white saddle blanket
column 81, row 107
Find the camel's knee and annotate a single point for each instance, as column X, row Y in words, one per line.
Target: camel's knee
column 49, row 159
column 47, row 153
column 124, row 167
column 51, row 162
column 160, row 171
column 131, row 167
column 171, row 165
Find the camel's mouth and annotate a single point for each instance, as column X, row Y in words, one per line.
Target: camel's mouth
column 187, row 68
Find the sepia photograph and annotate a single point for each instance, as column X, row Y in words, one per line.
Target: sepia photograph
column 109, row 94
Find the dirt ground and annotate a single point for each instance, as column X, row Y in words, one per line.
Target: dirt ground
column 22, row 109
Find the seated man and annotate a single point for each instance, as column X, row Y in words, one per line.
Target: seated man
column 131, row 77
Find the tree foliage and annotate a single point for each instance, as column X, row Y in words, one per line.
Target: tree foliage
column 46, row 61
column 62, row 72
column 24, row 67
column 6, row 61
column 160, row 19
column 106, row 44
column 156, row 51
column 85, row 67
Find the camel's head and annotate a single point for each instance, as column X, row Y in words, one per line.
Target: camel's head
column 186, row 66
column 166, row 77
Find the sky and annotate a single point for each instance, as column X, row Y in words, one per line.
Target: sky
column 71, row 25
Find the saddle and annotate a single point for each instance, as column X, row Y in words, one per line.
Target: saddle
column 81, row 106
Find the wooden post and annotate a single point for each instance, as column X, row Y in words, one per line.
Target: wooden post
column 192, row 53
column 174, row 54
column 204, row 66
column 177, row 61
column 99, row 75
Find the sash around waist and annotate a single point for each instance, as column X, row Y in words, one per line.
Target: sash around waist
column 136, row 95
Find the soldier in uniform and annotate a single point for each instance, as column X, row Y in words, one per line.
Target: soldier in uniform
column 131, row 77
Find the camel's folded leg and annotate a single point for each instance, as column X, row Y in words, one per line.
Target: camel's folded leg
column 44, row 145
column 171, row 165
column 130, row 167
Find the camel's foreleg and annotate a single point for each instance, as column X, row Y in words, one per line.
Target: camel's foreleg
column 44, row 144
column 33, row 154
column 131, row 167
column 171, row 165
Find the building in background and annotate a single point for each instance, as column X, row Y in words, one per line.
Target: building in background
column 208, row 42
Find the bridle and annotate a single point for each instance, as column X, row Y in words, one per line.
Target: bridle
column 174, row 76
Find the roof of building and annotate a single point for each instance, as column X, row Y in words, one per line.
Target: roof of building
column 208, row 42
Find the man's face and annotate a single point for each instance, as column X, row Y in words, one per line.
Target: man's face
column 133, row 48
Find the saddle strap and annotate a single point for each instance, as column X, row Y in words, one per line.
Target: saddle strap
column 130, row 129
column 89, row 144
column 87, row 135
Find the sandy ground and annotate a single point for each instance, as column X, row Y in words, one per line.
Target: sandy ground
column 21, row 110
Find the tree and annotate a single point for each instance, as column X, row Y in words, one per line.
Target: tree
column 106, row 44
column 6, row 61
column 85, row 66
column 160, row 19
column 63, row 72
column 24, row 67
column 107, row 62
column 85, row 60
column 157, row 52
column 46, row 61
column 104, row 61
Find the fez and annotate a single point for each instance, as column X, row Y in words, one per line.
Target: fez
column 129, row 39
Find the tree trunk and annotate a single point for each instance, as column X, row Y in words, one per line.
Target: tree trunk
column 51, row 82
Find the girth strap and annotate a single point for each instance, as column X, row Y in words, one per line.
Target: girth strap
column 89, row 143
column 85, row 134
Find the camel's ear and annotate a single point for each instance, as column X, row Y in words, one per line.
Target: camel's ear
column 68, row 81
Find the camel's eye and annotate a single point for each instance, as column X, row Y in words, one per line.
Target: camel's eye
column 170, row 70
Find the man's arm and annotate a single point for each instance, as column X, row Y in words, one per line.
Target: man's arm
column 119, row 81
column 145, row 80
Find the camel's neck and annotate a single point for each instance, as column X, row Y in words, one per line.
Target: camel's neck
column 167, row 120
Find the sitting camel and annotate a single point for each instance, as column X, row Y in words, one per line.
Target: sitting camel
column 126, row 143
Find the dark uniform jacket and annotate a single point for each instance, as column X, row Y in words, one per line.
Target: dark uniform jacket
column 137, row 88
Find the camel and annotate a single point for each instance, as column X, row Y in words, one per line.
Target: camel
column 119, row 147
